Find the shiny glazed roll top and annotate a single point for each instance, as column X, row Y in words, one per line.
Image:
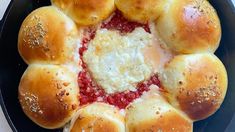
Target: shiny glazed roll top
column 47, row 35
column 141, row 11
column 152, row 113
column 48, row 95
column 189, row 26
column 196, row 83
column 98, row 117
column 86, row 12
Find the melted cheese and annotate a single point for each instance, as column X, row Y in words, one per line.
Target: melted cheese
column 157, row 53
column 117, row 62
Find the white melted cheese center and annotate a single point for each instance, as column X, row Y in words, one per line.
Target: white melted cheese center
column 117, row 62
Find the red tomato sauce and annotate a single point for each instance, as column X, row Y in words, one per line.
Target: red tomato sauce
column 118, row 22
column 90, row 91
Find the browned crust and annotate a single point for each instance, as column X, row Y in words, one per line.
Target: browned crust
column 153, row 113
column 141, row 10
column 202, row 87
column 42, row 39
column 86, row 12
column 49, row 103
column 46, row 98
column 195, row 27
column 205, row 90
column 95, row 124
column 168, row 122
column 199, row 26
column 98, row 117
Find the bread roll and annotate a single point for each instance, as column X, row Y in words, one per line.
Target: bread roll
column 189, row 26
column 196, row 84
column 86, row 12
column 98, row 117
column 153, row 114
column 48, row 95
column 140, row 10
column 48, row 36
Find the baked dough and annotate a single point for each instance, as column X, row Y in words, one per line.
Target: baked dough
column 48, row 90
column 43, row 40
column 141, row 10
column 153, row 113
column 48, row 95
column 93, row 67
column 189, row 26
column 98, row 117
column 86, row 12
column 196, row 84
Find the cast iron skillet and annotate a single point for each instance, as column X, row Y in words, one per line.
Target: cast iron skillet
column 12, row 68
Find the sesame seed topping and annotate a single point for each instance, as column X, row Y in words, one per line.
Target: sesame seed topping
column 31, row 101
column 35, row 33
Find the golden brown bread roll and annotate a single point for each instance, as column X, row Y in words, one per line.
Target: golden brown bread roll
column 141, row 10
column 48, row 36
column 98, row 117
column 153, row 113
column 86, row 12
column 49, row 95
column 189, row 26
column 196, row 84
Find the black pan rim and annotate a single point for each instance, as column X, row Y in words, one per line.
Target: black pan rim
column 1, row 97
column 231, row 124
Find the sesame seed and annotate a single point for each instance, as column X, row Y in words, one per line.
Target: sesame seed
column 34, row 34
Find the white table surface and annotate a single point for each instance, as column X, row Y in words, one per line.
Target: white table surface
column 4, row 126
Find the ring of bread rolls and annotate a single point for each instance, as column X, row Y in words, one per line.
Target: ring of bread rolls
column 194, row 80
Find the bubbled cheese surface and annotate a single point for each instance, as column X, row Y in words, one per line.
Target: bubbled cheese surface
column 117, row 61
